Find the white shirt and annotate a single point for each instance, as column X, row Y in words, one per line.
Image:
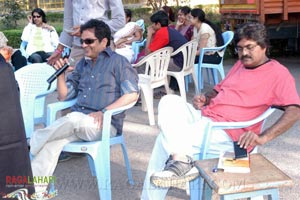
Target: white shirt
column 50, row 38
column 77, row 12
column 206, row 29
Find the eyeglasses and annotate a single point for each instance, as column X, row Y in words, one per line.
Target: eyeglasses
column 36, row 16
column 88, row 41
column 248, row 48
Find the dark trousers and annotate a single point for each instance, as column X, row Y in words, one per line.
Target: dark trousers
column 213, row 59
column 39, row 57
column 18, row 60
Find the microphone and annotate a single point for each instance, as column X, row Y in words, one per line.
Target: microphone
column 60, row 71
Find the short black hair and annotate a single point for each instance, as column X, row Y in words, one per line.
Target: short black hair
column 185, row 10
column 41, row 13
column 102, row 30
column 161, row 17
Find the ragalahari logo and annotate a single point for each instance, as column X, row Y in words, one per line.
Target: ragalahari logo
column 28, row 180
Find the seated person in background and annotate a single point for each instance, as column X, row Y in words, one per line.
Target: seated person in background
column 124, row 37
column 41, row 38
column 115, row 84
column 160, row 35
column 208, row 35
column 13, row 56
column 183, row 24
column 253, row 84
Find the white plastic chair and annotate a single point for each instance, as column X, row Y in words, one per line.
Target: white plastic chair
column 32, row 80
column 98, row 151
column 188, row 51
column 156, row 64
column 227, row 36
column 197, row 184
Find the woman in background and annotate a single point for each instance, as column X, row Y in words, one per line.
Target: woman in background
column 208, row 36
column 41, row 38
column 183, row 24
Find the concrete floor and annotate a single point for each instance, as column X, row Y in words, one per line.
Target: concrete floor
column 74, row 181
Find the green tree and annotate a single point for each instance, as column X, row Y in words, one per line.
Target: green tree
column 11, row 13
column 156, row 5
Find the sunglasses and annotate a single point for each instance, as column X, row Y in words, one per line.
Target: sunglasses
column 36, row 16
column 88, row 41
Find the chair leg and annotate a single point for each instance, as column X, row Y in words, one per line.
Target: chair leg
column 180, row 81
column 127, row 163
column 102, row 168
column 148, row 97
column 144, row 105
column 187, row 80
column 196, row 189
column 91, row 165
column 215, row 76
column 195, row 83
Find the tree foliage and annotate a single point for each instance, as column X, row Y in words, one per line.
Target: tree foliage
column 156, row 5
column 11, row 13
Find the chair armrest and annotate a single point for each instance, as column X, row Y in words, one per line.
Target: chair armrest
column 53, row 108
column 42, row 94
column 235, row 125
column 107, row 119
column 229, row 125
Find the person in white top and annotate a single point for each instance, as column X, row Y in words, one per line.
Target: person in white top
column 41, row 38
column 208, row 35
column 124, row 37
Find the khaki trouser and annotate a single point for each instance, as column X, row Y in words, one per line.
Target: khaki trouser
column 46, row 144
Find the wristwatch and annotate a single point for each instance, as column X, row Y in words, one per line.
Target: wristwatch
column 103, row 110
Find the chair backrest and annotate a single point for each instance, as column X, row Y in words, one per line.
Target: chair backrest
column 136, row 47
column 23, row 46
column 141, row 23
column 157, row 64
column 227, row 37
column 32, row 81
column 188, row 51
column 229, row 125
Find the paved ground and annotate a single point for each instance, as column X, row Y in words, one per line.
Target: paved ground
column 75, row 182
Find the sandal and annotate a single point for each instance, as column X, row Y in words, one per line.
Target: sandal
column 159, row 95
column 176, row 173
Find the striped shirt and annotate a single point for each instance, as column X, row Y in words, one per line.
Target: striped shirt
column 100, row 85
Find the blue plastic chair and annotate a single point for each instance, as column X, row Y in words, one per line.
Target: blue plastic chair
column 197, row 184
column 136, row 48
column 98, row 151
column 227, row 36
column 32, row 80
column 23, row 46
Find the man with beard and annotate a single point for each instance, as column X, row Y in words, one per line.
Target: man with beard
column 253, row 84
